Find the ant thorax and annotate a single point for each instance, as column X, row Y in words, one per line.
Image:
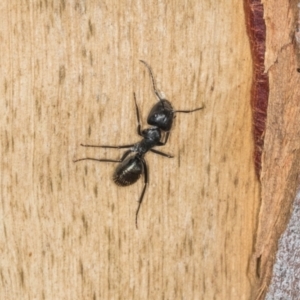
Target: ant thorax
column 151, row 139
column 152, row 133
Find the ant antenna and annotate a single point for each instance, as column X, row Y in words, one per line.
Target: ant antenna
column 153, row 80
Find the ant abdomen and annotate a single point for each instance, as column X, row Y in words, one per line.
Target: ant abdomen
column 128, row 171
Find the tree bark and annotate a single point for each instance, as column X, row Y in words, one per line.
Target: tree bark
column 69, row 70
column 280, row 158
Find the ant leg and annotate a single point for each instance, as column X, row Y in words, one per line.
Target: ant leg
column 137, row 116
column 106, row 160
column 188, row 111
column 165, row 141
column 143, row 192
column 107, row 146
column 161, row 153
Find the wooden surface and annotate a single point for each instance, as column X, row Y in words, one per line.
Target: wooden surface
column 281, row 155
column 68, row 72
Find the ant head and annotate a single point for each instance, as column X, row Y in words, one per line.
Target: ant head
column 161, row 115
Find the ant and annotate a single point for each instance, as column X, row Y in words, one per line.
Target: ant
column 132, row 163
column 132, row 166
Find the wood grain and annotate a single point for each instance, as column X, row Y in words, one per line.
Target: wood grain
column 69, row 70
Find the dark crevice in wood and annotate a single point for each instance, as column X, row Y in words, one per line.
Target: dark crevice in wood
column 260, row 85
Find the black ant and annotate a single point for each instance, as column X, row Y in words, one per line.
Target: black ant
column 132, row 166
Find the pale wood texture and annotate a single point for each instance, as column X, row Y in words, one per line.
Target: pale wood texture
column 68, row 71
column 281, row 155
